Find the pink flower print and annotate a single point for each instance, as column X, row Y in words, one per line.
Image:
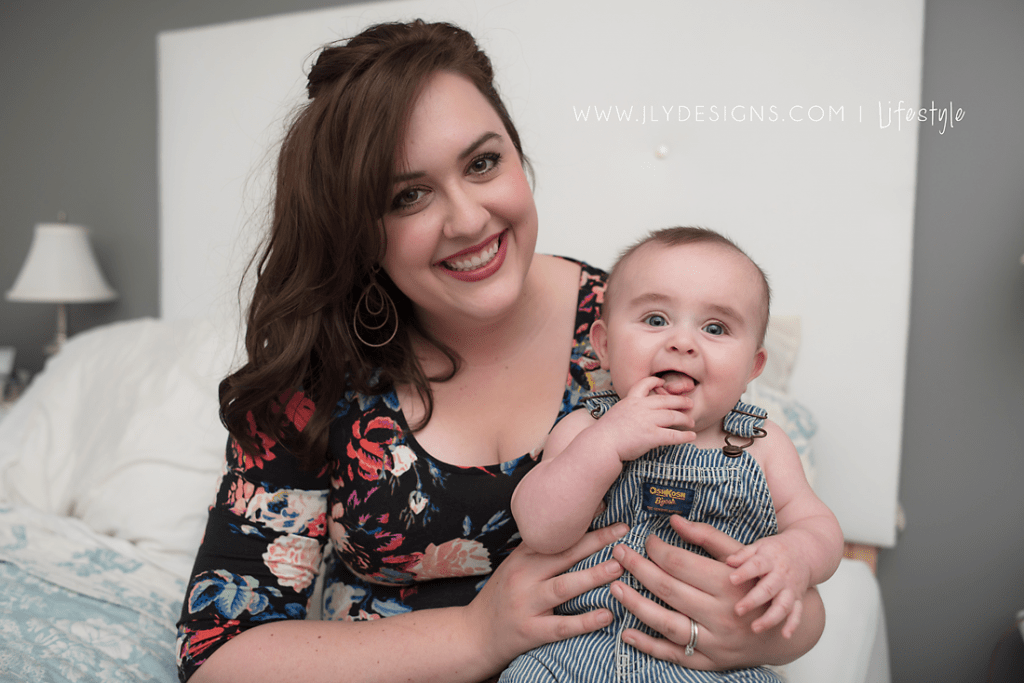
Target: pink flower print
column 298, row 409
column 339, row 536
column 317, row 528
column 389, row 542
column 458, row 557
column 239, row 495
column 248, row 461
column 367, row 447
column 294, row 560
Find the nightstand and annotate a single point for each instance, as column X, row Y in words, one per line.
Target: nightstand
column 10, row 384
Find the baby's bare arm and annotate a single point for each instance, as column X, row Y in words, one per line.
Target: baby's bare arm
column 807, row 549
column 555, row 503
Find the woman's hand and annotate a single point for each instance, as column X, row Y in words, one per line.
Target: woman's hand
column 514, row 611
column 699, row 587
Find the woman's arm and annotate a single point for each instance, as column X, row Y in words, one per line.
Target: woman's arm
column 511, row 614
column 699, row 587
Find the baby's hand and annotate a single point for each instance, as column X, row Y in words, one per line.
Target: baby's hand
column 783, row 578
column 643, row 420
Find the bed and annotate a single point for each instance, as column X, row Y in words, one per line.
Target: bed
column 107, row 464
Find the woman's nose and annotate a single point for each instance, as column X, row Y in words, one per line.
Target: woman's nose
column 466, row 214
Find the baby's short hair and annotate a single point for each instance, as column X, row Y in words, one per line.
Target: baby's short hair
column 682, row 235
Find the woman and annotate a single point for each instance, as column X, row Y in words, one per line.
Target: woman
column 407, row 355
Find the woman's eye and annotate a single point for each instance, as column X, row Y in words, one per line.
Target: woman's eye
column 715, row 329
column 408, row 197
column 656, row 320
column 485, row 163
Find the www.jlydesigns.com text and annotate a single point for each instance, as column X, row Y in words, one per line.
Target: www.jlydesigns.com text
column 895, row 115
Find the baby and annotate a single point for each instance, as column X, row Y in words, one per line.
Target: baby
column 681, row 333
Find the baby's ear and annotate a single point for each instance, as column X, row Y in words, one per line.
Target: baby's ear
column 599, row 340
column 760, row 359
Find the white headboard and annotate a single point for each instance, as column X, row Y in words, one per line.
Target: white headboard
column 775, row 123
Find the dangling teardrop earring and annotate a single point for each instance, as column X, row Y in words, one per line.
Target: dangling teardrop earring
column 374, row 311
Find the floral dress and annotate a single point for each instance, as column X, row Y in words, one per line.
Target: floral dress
column 392, row 528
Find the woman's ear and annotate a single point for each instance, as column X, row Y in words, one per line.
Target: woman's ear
column 599, row 340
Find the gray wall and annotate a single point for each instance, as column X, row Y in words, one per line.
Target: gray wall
column 78, row 133
column 955, row 579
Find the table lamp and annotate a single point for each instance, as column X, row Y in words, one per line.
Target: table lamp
column 61, row 269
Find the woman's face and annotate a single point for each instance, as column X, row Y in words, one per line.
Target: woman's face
column 462, row 224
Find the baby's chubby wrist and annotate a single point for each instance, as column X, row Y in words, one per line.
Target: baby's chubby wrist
column 601, row 446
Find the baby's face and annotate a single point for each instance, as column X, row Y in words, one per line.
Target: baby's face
column 690, row 314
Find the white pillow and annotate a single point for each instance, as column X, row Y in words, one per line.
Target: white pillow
column 792, row 416
column 782, row 341
column 770, row 390
column 121, row 430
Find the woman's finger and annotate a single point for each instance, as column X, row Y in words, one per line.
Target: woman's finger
column 591, row 542
column 659, row 648
column 680, row 595
column 717, row 543
column 670, row 624
column 677, row 565
column 671, row 648
column 564, row 585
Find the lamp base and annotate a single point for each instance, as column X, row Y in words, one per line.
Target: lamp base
column 54, row 347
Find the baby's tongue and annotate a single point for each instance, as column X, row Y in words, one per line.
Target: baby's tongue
column 677, row 382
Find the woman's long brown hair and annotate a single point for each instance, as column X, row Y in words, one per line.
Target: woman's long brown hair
column 333, row 184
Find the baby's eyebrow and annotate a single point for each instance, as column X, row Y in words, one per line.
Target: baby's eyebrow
column 649, row 298
column 656, row 298
column 726, row 311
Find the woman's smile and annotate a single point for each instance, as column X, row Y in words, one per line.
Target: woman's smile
column 475, row 263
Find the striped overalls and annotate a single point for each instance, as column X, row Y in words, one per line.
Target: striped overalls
column 702, row 485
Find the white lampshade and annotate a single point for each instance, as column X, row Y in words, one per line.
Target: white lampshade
column 60, row 268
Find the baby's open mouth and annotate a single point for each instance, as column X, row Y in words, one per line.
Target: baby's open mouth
column 677, row 382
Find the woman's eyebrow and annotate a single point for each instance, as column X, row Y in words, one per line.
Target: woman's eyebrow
column 491, row 135
column 411, row 175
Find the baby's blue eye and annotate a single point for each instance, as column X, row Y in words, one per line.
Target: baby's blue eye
column 656, row 320
column 715, row 329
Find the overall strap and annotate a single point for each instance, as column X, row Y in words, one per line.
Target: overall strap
column 745, row 421
column 599, row 402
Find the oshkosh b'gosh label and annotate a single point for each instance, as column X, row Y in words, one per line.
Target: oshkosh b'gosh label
column 667, row 500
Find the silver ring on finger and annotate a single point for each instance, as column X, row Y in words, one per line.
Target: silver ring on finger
column 692, row 645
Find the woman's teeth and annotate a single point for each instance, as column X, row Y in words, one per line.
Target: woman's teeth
column 481, row 259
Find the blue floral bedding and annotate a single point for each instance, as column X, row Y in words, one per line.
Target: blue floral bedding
column 79, row 606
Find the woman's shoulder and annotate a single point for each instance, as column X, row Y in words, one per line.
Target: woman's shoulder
column 591, row 286
column 585, row 372
column 588, row 272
